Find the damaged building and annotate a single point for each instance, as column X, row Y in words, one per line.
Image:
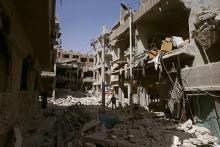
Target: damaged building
column 160, row 64
column 164, row 57
column 25, row 51
column 102, row 59
column 74, row 70
column 48, row 77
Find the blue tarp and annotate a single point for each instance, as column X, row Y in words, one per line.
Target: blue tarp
column 109, row 121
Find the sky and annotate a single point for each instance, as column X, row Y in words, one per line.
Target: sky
column 82, row 20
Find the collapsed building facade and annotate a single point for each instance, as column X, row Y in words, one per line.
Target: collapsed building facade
column 74, row 70
column 25, row 50
column 174, row 59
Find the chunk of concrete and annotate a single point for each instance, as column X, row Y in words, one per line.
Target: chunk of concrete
column 186, row 126
column 177, row 41
column 217, row 18
column 176, row 141
column 202, row 130
column 159, row 114
column 192, row 130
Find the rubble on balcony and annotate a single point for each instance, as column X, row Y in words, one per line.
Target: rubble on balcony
column 170, row 48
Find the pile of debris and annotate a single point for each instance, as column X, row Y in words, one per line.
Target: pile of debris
column 207, row 28
column 146, row 129
column 65, row 125
column 139, row 130
column 202, row 135
column 87, row 126
column 168, row 45
column 73, row 124
column 68, row 98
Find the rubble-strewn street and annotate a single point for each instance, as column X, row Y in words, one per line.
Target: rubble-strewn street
column 70, row 123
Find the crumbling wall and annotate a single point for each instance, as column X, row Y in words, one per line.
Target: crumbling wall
column 197, row 6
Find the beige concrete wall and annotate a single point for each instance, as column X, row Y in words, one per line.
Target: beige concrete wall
column 205, row 77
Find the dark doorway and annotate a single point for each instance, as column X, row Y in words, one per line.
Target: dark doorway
column 25, row 73
column 4, row 63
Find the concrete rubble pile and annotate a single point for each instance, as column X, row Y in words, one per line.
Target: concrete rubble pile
column 65, row 125
column 146, row 129
column 207, row 27
column 72, row 124
column 70, row 99
column 140, row 129
column 75, row 127
column 202, row 135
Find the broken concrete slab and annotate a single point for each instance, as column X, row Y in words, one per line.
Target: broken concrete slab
column 186, row 126
column 202, row 136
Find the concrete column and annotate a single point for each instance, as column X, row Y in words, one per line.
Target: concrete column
column 82, row 77
column 121, row 90
column 77, row 81
column 120, row 95
column 54, row 82
column 144, row 99
column 139, row 95
column 54, row 88
column 103, row 75
column 129, row 93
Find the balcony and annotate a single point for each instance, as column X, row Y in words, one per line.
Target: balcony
column 204, row 77
column 88, row 80
column 120, row 30
column 147, row 5
column 97, row 82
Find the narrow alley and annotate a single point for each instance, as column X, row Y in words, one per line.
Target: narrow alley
column 69, row 78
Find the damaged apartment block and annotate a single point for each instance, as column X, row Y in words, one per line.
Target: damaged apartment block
column 174, row 59
column 102, row 59
column 74, row 70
